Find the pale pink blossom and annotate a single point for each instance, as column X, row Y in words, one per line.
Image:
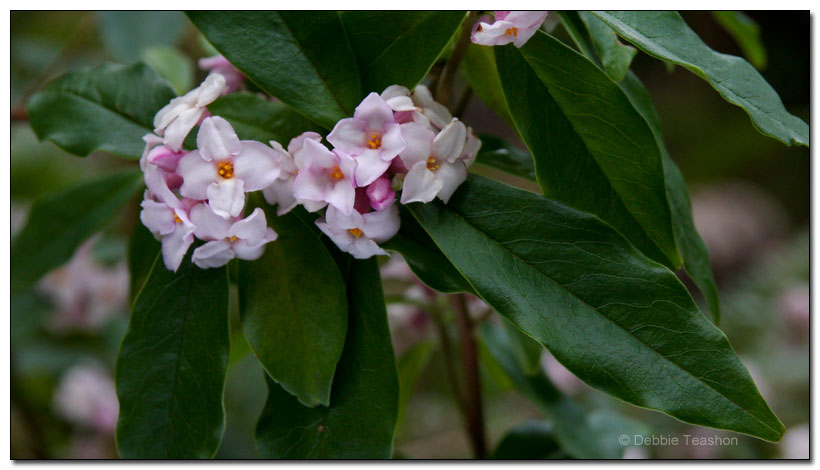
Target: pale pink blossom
column 219, row 64
column 371, row 136
column 223, row 168
column 86, row 396
column 379, row 194
column 359, row 234
column 280, row 192
column 515, row 27
column 324, row 178
column 229, row 238
column 177, row 118
column 441, row 172
column 167, row 219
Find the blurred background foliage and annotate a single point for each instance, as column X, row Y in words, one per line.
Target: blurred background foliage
column 751, row 204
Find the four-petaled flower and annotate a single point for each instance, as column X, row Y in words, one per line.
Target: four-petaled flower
column 437, row 171
column 167, row 218
column 174, row 121
column 229, row 238
column 515, row 27
column 359, row 234
column 324, row 178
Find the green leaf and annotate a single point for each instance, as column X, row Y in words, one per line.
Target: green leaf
column 109, row 107
column 426, row 261
column 171, row 368
column 172, row 65
column 530, row 440
column 572, row 428
column 619, row 321
column 255, row 118
column 60, row 222
column 398, row 47
column 479, row 68
column 302, row 58
column 664, row 35
column 615, row 56
column 746, row 34
column 361, row 418
column 497, row 153
column 410, row 367
column 293, row 309
column 126, row 34
column 592, row 150
column 142, row 251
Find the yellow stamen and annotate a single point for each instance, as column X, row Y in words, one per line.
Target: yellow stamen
column 233, row 238
column 512, row 32
column 355, row 232
column 225, row 169
column 337, row 173
column 177, row 219
column 375, row 141
column 432, row 164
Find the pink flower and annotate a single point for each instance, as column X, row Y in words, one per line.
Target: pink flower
column 515, row 27
column 325, row 177
column 371, row 136
column 224, row 168
column 380, row 194
column 441, row 171
column 177, row 118
column 229, row 238
column 167, row 219
column 280, row 192
column 359, row 234
column 86, row 396
column 220, row 65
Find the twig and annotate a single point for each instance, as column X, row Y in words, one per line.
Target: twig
column 445, row 83
column 472, row 380
column 462, row 103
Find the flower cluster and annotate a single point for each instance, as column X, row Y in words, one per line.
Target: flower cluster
column 515, row 27
column 399, row 140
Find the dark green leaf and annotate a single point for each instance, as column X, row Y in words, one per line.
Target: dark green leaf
column 398, row 47
column 746, row 34
column 293, row 310
column 615, row 56
column 479, row 69
column 591, row 149
column 126, row 34
column 109, row 108
column 531, row 440
column 497, row 153
column 303, row 58
column 617, row 320
column 59, row 222
column 361, row 418
column 255, row 118
column 172, row 363
column 664, row 35
column 426, row 261
column 142, row 251
column 410, row 367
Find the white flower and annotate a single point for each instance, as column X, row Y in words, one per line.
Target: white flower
column 359, row 234
column 174, row 121
column 441, row 172
column 324, row 177
column 229, row 238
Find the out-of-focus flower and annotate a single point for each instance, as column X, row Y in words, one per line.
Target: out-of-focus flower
column 218, row 64
column 86, row 396
column 795, row 306
column 796, row 443
column 174, row 121
column 515, row 27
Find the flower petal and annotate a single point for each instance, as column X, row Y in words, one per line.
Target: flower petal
column 252, row 228
column 419, row 143
column 257, row 165
column 197, row 175
column 494, row 34
column 449, row 143
column 227, row 197
column 374, row 111
column 342, row 196
column 178, row 130
column 208, row 225
column 398, row 98
column 341, row 237
column 348, row 135
column 420, row 185
column 213, row 254
column 341, row 221
column 217, row 140
column 382, row 225
column 451, row 176
column 212, row 88
column 175, row 245
column 392, row 142
column 369, row 166
column 363, row 248
column 280, row 194
column 157, row 217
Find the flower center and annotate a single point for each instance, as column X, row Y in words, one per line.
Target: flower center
column 233, row 238
column 375, row 141
column 225, row 169
column 177, row 219
column 512, row 32
column 432, row 164
column 336, row 173
column 355, row 232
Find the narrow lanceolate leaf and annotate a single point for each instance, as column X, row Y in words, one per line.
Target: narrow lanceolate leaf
column 746, row 34
column 615, row 56
column 361, row 418
column 255, row 118
column 171, row 367
column 398, row 47
column 293, row 310
column 664, row 35
column 619, row 321
column 303, row 58
column 591, row 149
column 572, row 428
column 109, row 108
column 479, row 68
column 59, row 222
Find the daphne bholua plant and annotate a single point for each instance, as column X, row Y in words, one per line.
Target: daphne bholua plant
column 291, row 200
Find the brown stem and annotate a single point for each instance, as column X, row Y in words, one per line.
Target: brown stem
column 472, row 380
column 18, row 113
column 445, row 83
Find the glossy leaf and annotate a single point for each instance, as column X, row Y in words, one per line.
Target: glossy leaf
column 398, row 47
column 303, row 58
column 664, row 35
column 746, row 34
column 479, row 68
column 126, row 34
column 615, row 56
column 108, row 108
column 594, row 153
column 410, row 366
column 255, row 118
column 61, row 221
column 361, row 418
column 142, row 251
column 293, row 309
column 530, row 440
column 171, row 368
column 617, row 320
